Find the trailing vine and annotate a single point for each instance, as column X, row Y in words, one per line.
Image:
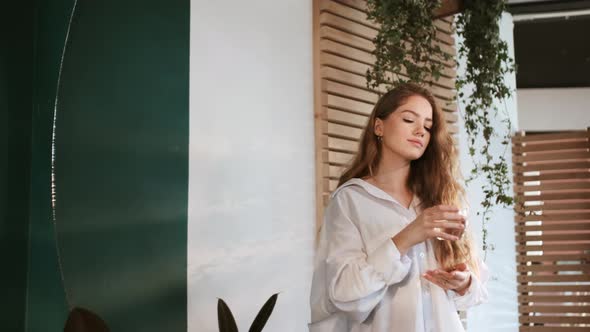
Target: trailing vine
column 487, row 63
column 405, row 51
column 404, row 45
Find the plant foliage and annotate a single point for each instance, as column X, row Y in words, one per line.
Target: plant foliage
column 227, row 323
column 405, row 50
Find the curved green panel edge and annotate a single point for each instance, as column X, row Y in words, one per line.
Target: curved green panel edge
column 122, row 162
column 46, row 304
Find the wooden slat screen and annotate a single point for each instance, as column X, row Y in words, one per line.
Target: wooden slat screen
column 342, row 54
column 552, row 179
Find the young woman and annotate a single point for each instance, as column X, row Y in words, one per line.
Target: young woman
column 394, row 254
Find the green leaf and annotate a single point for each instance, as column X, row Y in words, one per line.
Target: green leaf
column 263, row 314
column 225, row 319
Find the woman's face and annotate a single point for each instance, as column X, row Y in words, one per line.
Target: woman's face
column 406, row 131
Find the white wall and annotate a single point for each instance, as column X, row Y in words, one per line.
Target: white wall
column 251, row 183
column 501, row 312
column 554, row 109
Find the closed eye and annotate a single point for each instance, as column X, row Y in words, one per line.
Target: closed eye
column 411, row 121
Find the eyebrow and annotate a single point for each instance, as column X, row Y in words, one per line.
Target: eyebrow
column 416, row 114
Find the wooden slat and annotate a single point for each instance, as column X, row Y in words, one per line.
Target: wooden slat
column 553, row 237
column 552, row 156
column 552, row 166
column 550, row 137
column 318, row 97
column 550, row 147
column 336, row 130
column 554, row 309
column 359, row 94
column 363, row 31
column 357, row 11
column 330, row 185
column 554, row 258
column 349, row 105
column 551, row 217
column 570, row 175
column 553, row 186
column 346, row 118
column 362, row 57
column 554, row 278
column 330, row 33
column 552, row 247
column 553, row 268
column 443, row 24
column 348, row 91
column 357, row 17
column 353, row 14
column 338, row 158
column 348, row 78
column 346, row 51
column 556, row 319
column 357, row 4
column 552, row 329
column 578, row 289
column 554, row 298
column 354, row 77
column 335, row 171
column 552, row 197
column 554, row 207
column 553, row 227
column 339, row 144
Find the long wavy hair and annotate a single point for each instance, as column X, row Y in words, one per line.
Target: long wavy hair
column 434, row 177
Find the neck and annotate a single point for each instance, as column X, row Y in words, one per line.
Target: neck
column 392, row 173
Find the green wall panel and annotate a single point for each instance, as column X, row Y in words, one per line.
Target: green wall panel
column 122, row 162
column 16, row 82
column 46, row 304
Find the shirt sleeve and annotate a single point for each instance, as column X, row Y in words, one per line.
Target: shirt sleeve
column 355, row 285
column 477, row 292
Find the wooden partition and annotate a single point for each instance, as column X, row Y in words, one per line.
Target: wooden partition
column 342, row 54
column 552, row 180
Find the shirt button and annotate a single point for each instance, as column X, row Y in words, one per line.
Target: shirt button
column 421, row 255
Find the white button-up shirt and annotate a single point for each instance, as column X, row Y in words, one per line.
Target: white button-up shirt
column 362, row 283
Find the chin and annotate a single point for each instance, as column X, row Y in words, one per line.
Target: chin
column 414, row 156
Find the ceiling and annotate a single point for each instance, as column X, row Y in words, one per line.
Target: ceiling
column 552, row 43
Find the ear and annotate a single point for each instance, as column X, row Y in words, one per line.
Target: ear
column 378, row 127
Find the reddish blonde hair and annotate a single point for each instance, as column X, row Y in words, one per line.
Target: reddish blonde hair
column 433, row 177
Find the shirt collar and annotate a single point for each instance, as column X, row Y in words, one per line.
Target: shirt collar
column 377, row 192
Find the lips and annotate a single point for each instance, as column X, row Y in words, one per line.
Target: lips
column 416, row 142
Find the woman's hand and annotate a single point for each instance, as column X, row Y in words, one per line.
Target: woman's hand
column 457, row 280
column 430, row 223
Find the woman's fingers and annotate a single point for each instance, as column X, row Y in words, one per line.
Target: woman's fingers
column 444, row 207
column 449, row 224
column 439, row 233
column 450, row 216
column 461, row 267
column 440, row 281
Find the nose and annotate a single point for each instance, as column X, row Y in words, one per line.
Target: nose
column 420, row 131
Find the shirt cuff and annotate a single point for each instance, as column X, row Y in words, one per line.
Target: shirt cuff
column 387, row 260
column 473, row 296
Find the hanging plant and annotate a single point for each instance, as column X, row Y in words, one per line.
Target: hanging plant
column 488, row 62
column 404, row 45
column 405, row 51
